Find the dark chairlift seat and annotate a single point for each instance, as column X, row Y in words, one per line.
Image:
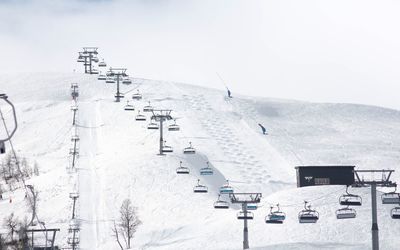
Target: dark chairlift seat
column 275, row 217
column 182, row 170
column 220, row 204
column 200, row 188
column 307, row 215
column 350, row 199
column 346, row 213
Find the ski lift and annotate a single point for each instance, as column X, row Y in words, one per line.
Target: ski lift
column 391, row 197
column 241, row 215
column 129, row 107
column 102, row 63
column 137, row 96
column 101, row 77
column 110, row 80
column 346, row 213
column 207, row 170
column 275, row 217
column 226, row 188
column 395, row 213
column 140, row 117
column 94, row 72
column 350, row 199
column 182, row 169
column 119, row 95
column 81, row 59
column 74, row 107
column 166, row 148
column 200, row 188
column 152, row 125
column 148, row 108
column 173, row 127
column 190, row 149
column 220, row 204
column 251, row 206
column 126, row 80
column 95, row 59
column 307, row 215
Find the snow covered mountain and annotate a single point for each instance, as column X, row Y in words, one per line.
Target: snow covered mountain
column 118, row 160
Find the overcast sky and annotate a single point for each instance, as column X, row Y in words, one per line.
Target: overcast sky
column 327, row 51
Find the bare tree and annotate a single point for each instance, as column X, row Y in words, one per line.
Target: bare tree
column 128, row 224
column 36, row 169
column 116, row 232
column 11, row 224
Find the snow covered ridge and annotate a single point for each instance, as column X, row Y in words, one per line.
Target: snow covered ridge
column 118, row 160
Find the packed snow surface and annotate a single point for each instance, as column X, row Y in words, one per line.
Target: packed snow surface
column 118, row 160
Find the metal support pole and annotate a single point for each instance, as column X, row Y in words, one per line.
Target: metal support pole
column 73, row 121
column 375, row 230
column 85, row 64
column 74, row 155
column 117, row 96
column 161, row 136
column 90, row 63
column 245, row 228
column 73, row 208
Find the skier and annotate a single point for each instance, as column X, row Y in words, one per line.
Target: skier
column 263, row 129
column 229, row 93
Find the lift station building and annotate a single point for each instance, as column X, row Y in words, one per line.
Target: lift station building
column 324, row 175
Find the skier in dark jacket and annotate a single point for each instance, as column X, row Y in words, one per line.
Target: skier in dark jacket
column 229, row 93
column 263, row 129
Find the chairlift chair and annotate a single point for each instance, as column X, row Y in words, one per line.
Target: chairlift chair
column 395, row 213
column 391, row 197
column 110, row 79
column 307, row 215
column 101, row 77
column 182, row 170
column 74, row 107
column 102, row 64
column 200, row 188
column 251, row 206
column 173, row 127
column 137, row 96
column 346, row 213
column 207, row 170
column 152, row 125
column 95, row 59
column 140, row 117
column 119, row 95
column 241, row 215
column 148, row 108
column 190, row 149
column 129, row 107
column 94, row 72
column 81, row 59
column 220, row 204
column 166, row 148
column 350, row 199
column 275, row 217
column 126, row 80
column 226, row 188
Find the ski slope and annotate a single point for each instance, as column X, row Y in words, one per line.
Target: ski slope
column 118, row 160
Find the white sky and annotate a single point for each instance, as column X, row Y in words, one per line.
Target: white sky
column 327, row 51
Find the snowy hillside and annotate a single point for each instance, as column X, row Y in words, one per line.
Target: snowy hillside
column 118, row 160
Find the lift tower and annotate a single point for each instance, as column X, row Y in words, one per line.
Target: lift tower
column 87, row 56
column 9, row 134
column 117, row 73
column 244, row 199
column 382, row 180
column 161, row 115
